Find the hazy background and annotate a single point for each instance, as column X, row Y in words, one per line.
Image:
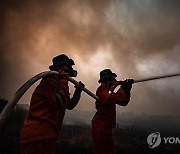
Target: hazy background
column 135, row 38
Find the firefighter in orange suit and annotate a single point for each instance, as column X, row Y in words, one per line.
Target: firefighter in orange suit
column 48, row 104
column 104, row 119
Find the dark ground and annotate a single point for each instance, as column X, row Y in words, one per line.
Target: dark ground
column 76, row 138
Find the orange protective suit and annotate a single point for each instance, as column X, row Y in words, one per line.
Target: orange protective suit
column 105, row 118
column 46, row 113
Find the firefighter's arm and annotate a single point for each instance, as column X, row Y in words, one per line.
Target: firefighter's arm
column 76, row 96
column 124, row 92
column 62, row 93
column 123, row 97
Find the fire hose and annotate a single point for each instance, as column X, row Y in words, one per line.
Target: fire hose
column 11, row 104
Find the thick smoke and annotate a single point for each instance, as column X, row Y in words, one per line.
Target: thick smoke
column 134, row 38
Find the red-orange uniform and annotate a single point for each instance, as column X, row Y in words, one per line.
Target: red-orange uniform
column 45, row 117
column 105, row 118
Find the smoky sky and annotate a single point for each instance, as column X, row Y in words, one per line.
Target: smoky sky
column 135, row 38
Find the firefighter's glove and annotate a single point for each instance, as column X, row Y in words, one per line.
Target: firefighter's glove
column 127, row 84
column 80, row 86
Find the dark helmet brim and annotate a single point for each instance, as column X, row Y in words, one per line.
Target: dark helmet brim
column 54, row 67
column 103, row 79
column 71, row 62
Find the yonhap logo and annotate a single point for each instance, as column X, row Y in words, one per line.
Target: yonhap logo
column 154, row 140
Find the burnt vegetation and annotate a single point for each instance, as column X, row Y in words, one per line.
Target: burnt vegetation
column 130, row 134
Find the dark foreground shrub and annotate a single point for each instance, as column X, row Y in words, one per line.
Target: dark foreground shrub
column 10, row 134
